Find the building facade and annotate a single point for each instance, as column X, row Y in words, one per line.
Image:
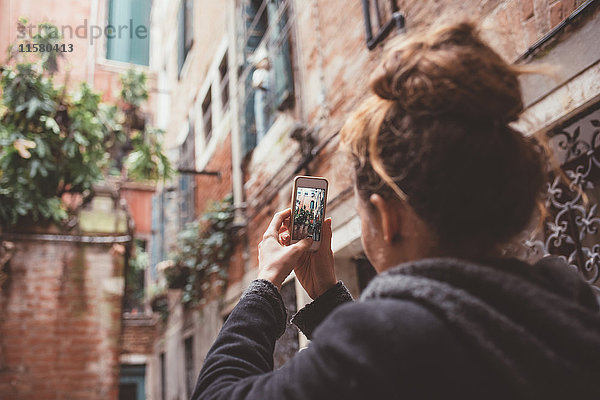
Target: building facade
column 255, row 92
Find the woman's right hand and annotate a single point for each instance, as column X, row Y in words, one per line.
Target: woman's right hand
column 315, row 271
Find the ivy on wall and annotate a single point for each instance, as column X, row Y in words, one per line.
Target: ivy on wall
column 204, row 248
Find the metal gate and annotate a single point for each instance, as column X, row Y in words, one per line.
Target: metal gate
column 572, row 228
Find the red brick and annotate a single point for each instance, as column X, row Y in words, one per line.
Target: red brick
column 556, row 14
column 137, row 339
column 526, row 9
column 516, row 33
column 210, row 188
column 568, row 6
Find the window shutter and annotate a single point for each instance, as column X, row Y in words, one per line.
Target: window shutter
column 156, row 240
column 249, row 139
column 181, row 37
column 187, row 197
column 253, row 39
column 189, row 24
column 279, row 49
column 140, row 47
column 119, row 13
column 183, row 199
column 125, row 16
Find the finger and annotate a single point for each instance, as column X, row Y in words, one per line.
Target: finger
column 326, row 235
column 278, row 218
column 284, row 238
column 284, row 227
column 302, row 246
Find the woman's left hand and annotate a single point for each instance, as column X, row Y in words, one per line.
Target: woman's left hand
column 275, row 259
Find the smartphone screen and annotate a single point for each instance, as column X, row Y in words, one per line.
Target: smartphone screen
column 308, row 213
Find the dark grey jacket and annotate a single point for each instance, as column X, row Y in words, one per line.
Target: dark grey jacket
column 435, row 328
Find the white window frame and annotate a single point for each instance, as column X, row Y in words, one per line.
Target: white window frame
column 221, row 119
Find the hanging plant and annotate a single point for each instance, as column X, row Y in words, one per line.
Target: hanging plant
column 159, row 300
column 204, row 249
column 147, row 160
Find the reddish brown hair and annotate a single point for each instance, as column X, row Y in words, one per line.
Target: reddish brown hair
column 436, row 133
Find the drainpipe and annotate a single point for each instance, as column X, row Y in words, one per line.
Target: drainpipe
column 555, row 31
column 236, row 144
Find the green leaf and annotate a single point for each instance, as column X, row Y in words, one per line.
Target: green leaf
column 50, row 123
column 79, row 138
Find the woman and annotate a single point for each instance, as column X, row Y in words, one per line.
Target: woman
column 442, row 182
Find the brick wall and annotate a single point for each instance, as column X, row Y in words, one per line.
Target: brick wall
column 60, row 322
column 236, row 269
column 211, row 188
column 138, row 334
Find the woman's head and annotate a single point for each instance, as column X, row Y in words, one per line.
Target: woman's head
column 434, row 139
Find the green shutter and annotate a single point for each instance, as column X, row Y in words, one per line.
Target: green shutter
column 140, row 46
column 279, row 50
column 181, row 36
column 249, row 125
column 126, row 45
column 118, row 46
column 253, row 40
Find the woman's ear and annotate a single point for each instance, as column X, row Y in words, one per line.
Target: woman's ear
column 390, row 221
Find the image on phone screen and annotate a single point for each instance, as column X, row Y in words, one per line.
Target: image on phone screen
column 308, row 213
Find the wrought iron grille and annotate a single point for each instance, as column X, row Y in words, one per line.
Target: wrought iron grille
column 572, row 228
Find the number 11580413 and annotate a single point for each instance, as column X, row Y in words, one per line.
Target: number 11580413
column 43, row 48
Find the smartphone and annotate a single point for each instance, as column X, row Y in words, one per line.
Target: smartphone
column 308, row 209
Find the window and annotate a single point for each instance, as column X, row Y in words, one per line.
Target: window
column 186, row 31
column 128, row 38
column 187, row 181
column 381, row 17
column 132, row 382
column 133, row 298
column 207, row 115
column 268, row 81
column 224, row 77
column 190, row 374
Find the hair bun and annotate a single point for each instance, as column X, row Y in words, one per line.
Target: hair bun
column 450, row 72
